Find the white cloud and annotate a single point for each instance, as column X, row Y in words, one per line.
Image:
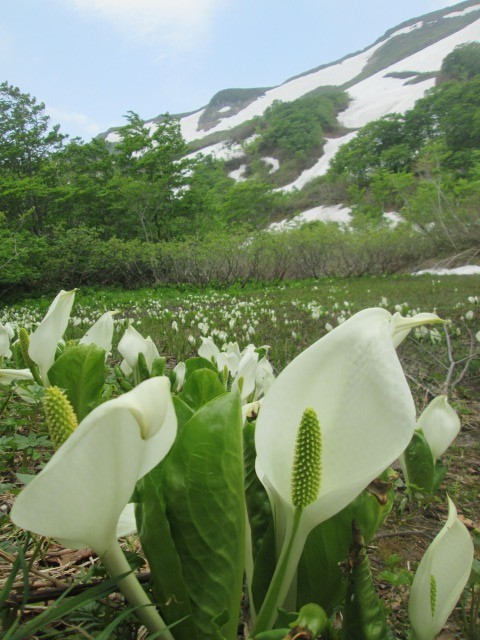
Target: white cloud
column 73, row 123
column 176, row 23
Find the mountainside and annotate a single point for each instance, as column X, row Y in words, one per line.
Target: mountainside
column 387, row 77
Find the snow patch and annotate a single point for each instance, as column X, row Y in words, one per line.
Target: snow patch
column 189, row 126
column 457, row 14
column 220, row 151
column 238, row 174
column 335, row 74
column 338, row 213
column 393, row 217
column 224, row 109
column 467, row 270
column 377, row 95
column 273, row 163
column 114, row 137
column 408, row 29
column 320, row 168
column 333, row 213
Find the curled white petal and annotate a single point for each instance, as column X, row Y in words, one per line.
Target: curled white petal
column 45, row 338
column 246, row 372
column 401, row 326
column 100, row 333
column 354, row 382
column 81, row 493
column 127, row 524
column 440, row 425
column 449, row 560
column 9, row 375
column 209, row 349
column 131, row 344
column 180, row 371
column 4, row 342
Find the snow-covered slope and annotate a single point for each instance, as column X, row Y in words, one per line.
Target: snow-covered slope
column 367, row 76
column 374, row 96
column 378, row 95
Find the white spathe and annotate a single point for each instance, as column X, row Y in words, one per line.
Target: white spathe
column 4, row 342
column 45, row 338
column 79, row 496
column 131, row 344
column 440, row 425
column 353, row 380
column 449, row 560
column 101, row 333
column 9, row 375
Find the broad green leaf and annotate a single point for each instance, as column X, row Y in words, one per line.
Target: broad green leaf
column 201, row 387
column 439, row 473
column 159, row 547
column 364, row 613
column 258, row 504
column 264, row 567
column 193, row 364
column 80, row 370
column 142, row 367
column 320, row 575
column 260, row 519
column 182, row 411
column 158, row 366
column 204, row 497
column 419, row 463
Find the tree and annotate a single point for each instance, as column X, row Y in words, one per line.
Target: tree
column 152, row 161
column 83, row 173
column 462, row 64
column 379, row 145
column 250, row 204
column 26, row 139
column 26, row 146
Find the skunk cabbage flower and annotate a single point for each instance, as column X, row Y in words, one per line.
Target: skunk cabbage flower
column 80, row 494
column 349, row 393
column 5, row 342
column 221, row 359
column 9, row 375
column 209, row 349
column 180, row 371
column 440, row 425
column 245, row 378
column 264, row 377
column 45, row 338
column 101, row 333
column 354, row 382
column 440, row 578
column 80, row 497
column 131, row 344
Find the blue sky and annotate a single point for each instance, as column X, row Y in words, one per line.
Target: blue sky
column 91, row 61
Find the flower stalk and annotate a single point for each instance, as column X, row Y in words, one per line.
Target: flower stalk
column 116, row 564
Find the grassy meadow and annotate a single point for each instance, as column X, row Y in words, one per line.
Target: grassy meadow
column 288, row 318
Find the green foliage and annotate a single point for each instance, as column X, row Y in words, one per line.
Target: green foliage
column 26, row 140
column 462, row 64
column 236, row 99
column 364, row 612
column 380, row 145
column 201, row 485
column 297, row 127
column 249, row 204
column 328, row 546
column 80, row 371
column 403, row 45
